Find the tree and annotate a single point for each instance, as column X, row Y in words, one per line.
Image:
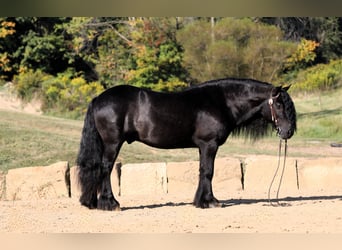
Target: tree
column 138, row 51
column 96, row 43
column 241, row 48
column 156, row 54
column 6, row 29
column 35, row 44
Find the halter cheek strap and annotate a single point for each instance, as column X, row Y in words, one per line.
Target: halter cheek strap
column 273, row 114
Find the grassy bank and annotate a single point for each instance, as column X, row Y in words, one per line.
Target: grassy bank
column 31, row 140
column 320, row 115
column 28, row 140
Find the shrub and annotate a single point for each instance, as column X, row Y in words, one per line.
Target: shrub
column 65, row 93
column 319, row 77
column 78, row 93
column 28, row 84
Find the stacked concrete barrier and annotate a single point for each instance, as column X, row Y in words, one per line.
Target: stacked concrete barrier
column 251, row 173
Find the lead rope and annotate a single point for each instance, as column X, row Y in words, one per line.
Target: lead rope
column 276, row 172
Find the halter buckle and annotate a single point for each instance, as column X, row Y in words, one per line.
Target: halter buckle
column 270, row 101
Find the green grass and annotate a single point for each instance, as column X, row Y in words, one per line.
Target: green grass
column 320, row 116
column 31, row 140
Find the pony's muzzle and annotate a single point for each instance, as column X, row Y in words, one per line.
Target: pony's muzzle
column 284, row 134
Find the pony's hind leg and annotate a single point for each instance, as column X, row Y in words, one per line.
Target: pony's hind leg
column 106, row 200
column 89, row 190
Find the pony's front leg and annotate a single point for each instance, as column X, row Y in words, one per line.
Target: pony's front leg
column 204, row 197
column 106, row 200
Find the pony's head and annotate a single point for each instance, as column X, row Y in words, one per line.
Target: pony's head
column 282, row 112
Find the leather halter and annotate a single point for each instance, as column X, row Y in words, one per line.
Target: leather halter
column 273, row 113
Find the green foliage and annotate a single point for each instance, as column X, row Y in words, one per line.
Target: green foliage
column 138, row 51
column 319, row 77
column 34, row 43
column 156, row 55
column 155, row 68
column 41, row 52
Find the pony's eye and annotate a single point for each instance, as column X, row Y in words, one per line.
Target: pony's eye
column 278, row 105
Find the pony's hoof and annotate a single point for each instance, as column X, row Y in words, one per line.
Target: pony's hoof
column 108, row 204
column 214, row 204
column 208, row 204
column 91, row 204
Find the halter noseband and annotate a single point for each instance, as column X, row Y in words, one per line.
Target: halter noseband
column 273, row 114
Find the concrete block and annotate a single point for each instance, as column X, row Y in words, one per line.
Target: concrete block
column 227, row 174
column 38, row 182
column 74, row 185
column 182, row 176
column 2, row 185
column 144, row 178
column 320, row 173
column 261, row 169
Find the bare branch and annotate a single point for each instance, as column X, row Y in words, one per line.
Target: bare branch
column 110, row 25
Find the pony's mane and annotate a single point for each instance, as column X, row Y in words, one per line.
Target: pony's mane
column 256, row 127
column 290, row 109
column 227, row 81
column 253, row 129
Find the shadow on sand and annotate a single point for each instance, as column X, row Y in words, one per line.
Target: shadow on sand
column 234, row 202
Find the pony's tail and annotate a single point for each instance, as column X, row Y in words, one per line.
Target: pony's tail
column 89, row 160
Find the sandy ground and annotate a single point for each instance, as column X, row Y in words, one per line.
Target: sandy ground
column 313, row 211
column 242, row 212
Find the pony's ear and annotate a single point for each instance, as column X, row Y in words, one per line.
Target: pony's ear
column 286, row 88
column 275, row 92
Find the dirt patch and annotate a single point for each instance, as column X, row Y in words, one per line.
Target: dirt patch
column 9, row 101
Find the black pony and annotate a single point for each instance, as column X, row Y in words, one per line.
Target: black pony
column 201, row 116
